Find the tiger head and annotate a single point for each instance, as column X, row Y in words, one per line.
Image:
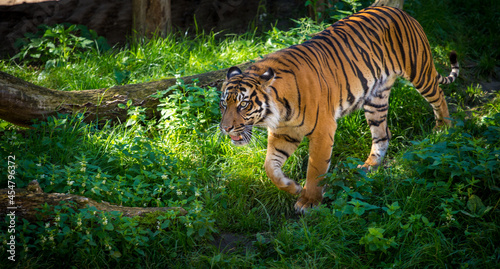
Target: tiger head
column 245, row 103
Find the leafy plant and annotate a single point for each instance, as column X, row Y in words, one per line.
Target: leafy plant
column 189, row 107
column 461, row 156
column 59, row 44
column 374, row 240
column 334, row 10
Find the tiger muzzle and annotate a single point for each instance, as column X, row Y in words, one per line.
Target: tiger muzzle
column 238, row 138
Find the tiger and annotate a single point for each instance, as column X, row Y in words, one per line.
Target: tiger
column 301, row 91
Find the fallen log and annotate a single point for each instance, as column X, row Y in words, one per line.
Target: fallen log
column 22, row 103
column 27, row 202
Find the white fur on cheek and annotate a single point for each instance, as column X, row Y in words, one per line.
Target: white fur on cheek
column 272, row 121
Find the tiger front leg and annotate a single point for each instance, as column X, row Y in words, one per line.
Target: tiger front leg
column 279, row 148
column 320, row 151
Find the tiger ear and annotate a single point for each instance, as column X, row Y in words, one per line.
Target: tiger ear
column 233, row 71
column 269, row 74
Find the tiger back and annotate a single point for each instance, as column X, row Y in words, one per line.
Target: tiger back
column 302, row 90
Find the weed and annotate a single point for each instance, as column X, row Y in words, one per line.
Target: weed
column 335, row 10
column 56, row 45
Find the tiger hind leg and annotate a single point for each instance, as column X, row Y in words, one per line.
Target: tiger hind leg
column 376, row 108
column 435, row 96
column 428, row 86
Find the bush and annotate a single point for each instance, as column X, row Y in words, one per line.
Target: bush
column 55, row 45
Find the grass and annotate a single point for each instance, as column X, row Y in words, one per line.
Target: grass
column 433, row 204
column 144, row 60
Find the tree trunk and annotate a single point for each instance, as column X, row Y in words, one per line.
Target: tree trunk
column 25, row 203
column 151, row 17
column 22, row 102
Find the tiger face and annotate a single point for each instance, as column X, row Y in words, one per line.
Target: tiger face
column 244, row 104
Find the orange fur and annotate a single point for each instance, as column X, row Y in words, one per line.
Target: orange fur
column 302, row 90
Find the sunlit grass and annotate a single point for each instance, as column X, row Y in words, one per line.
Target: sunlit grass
column 146, row 60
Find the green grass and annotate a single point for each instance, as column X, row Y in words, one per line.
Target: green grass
column 434, row 203
column 144, row 60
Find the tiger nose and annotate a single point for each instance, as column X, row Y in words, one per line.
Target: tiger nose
column 227, row 128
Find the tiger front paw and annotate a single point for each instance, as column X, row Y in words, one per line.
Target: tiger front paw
column 373, row 162
column 308, row 200
column 367, row 167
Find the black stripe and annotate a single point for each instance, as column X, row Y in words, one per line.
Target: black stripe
column 287, row 138
column 251, row 85
column 315, row 123
column 368, row 103
column 375, row 122
column 277, row 163
column 378, row 140
column 288, row 109
column 282, row 152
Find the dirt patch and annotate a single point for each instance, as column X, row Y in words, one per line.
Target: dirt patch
column 231, row 243
column 491, row 86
